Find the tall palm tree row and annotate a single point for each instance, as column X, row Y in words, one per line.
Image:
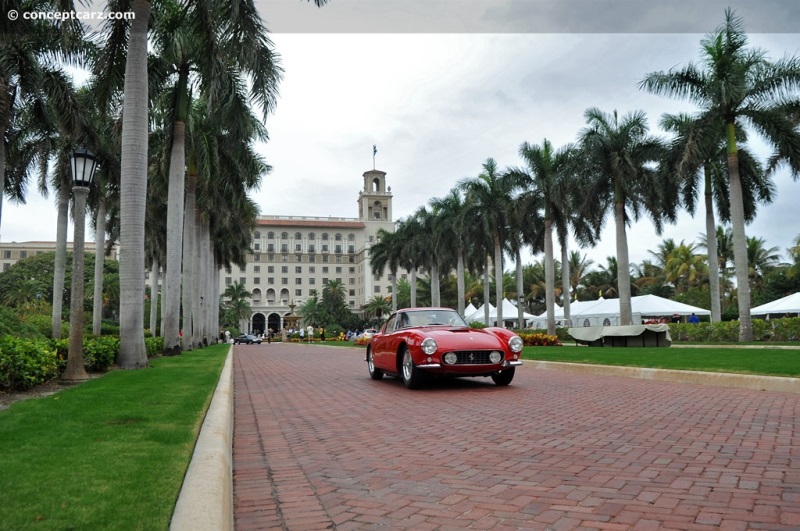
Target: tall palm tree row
column 737, row 86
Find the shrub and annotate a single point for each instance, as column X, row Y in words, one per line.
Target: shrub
column 786, row 329
column 154, row 346
column 25, row 363
column 333, row 331
column 477, row 324
column 539, row 339
column 362, row 342
column 100, row 353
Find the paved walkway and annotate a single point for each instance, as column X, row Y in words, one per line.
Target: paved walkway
column 318, row 445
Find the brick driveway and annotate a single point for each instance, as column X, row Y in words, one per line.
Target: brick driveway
column 317, row 445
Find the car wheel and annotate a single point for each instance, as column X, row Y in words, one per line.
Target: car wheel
column 411, row 375
column 503, row 377
column 375, row 374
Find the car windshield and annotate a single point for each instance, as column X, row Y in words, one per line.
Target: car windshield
column 432, row 318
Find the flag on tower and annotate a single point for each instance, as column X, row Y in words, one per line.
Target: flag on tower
column 374, row 149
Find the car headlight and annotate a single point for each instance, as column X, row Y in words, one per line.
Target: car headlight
column 515, row 344
column 495, row 356
column 429, row 346
column 450, row 358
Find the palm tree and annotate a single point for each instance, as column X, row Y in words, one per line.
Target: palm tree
column 761, row 259
column 699, row 151
column 545, row 169
column 311, row 311
column 739, row 86
column 578, row 268
column 377, row 307
column 684, row 268
column 451, row 209
column 387, row 250
column 488, row 202
column 618, row 157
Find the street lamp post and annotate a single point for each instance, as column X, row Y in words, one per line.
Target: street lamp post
column 82, row 166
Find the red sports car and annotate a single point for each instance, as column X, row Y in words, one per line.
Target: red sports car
column 415, row 342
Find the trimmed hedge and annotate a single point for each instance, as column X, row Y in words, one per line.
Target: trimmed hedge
column 786, row 329
column 25, row 363
column 539, row 339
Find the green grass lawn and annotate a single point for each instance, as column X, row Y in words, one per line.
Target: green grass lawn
column 110, row 453
column 765, row 361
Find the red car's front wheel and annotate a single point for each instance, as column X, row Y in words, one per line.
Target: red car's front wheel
column 374, row 373
column 503, row 377
column 412, row 376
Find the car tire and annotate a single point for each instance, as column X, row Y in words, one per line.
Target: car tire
column 374, row 373
column 412, row 377
column 504, row 377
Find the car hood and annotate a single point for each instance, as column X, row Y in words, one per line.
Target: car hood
column 464, row 338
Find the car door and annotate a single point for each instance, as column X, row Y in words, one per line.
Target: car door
column 380, row 347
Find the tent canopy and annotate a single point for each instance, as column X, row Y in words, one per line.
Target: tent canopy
column 510, row 313
column 788, row 304
column 596, row 312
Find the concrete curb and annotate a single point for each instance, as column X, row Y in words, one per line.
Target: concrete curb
column 206, row 497
column 744, row 381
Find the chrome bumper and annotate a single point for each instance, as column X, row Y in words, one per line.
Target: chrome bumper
column 429, row 366
column 507, row 363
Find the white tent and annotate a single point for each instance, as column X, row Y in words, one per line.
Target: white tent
column 469, row 310
column 510, row 313
column 605, row 312
column 788, row 304
column 478, row 315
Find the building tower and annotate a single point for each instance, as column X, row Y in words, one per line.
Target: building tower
column 375, row 200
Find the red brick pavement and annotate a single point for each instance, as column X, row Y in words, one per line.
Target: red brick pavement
column 318, row 445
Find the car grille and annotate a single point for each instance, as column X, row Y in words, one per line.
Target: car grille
column 473, row 357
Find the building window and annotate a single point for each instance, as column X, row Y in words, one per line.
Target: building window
column 352, row 259
column 371, row 238
column 339, row 270
column 324, row 236
column 284, row 235
column 256, row 269
column 284, row 247
column 351, row 237
column 351, row 249
column 338, row 249
column 377, row 289
column 338, row 259
column 228, row 281
column 324, row 280
column 298, row 281
column 270, row 235
column 242, row 280
column 312, row 258
column 324, row 248
column 352, row 281
column 7, row 255
column 352, row 270
column 270, row 258
column 256, row 257
column 312, row 281
column 284, row 269
column 324, row 269
column 312, row 269
column 298, row 247
column 256, row 280
column 271, row 280
column 256, row 246
column 284, row 258
column 376, row 277
column 352, row 293
column 325, row 258
column 338, row 237
column 298, row 269
column 270, row 269
column 351, row 303
column 311, row 235
column 298, row 293
column 298, row 258
column 285, row 281
column 270, row 247
column 298, row 236
column 6, row 266
column 311, row 248
column 23, row 254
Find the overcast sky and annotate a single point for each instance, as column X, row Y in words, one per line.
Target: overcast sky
column 439, row 91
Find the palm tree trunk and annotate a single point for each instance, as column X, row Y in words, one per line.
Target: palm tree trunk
column 711, row 246
column 171, row 302
column 739, row 238
column 99, row 259
column 60, row 265
column 197, row 297
column 486, row 291
column 498, row 278
column 435, row 293
column 520, row 294
column 394, row 291
column 413, row 287
column 462, row 291
column 3, row 90
column 187, row 293
column 565, row 275
column 623, row 267
column 133, row 193
column 549, row 277
column 154, row 277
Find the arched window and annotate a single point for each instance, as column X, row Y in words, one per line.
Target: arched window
column 376, row 210
column 256, row 235
column 376, row 185
column 270, row 296
column 256, row 295
column 298, row 236
column 270, row 235
column 338, row 237
column 284, row 296
column 311, row 235
column 284, row 235
column 324, row 236
column 351, row 237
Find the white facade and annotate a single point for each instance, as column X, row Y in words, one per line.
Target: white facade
column 291, row 256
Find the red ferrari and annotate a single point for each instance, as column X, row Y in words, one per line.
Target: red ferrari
column 415, row 342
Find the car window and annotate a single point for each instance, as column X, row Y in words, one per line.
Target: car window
column 389, row 326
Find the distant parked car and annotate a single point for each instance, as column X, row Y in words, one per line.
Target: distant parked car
column 247, row 339
column 417, row 342
column 368, row 333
